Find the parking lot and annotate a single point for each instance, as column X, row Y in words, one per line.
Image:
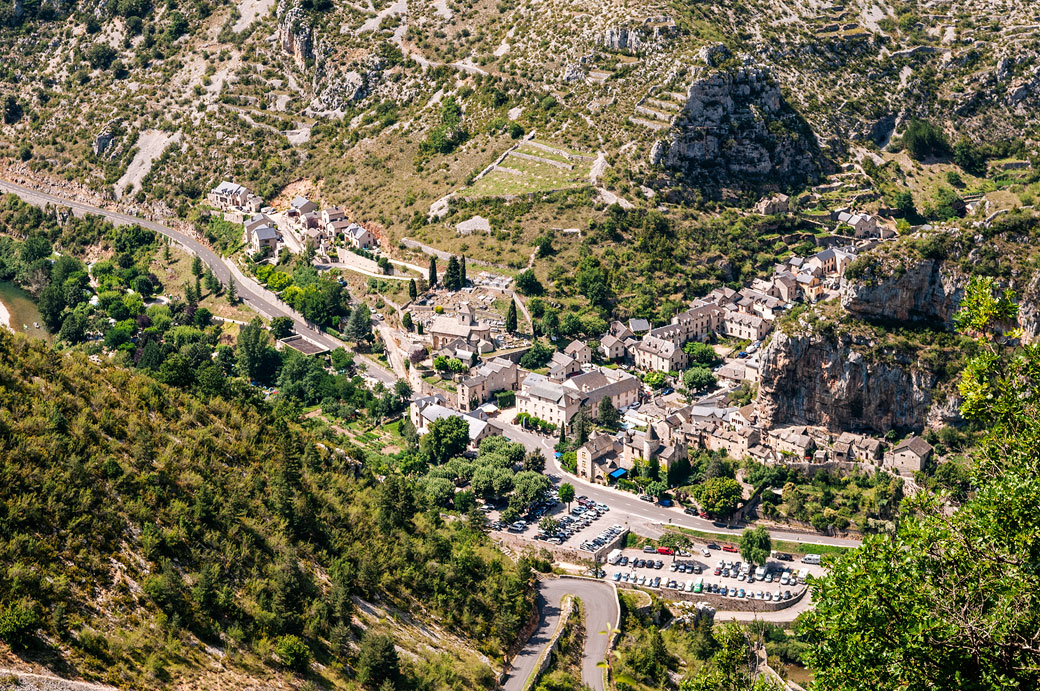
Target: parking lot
column 710, row 571
column 586, row 527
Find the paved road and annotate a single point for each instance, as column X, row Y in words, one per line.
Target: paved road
column 601, row 615
column 251, row 292
column 653, row 514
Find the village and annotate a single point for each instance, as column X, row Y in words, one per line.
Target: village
column 464, row 360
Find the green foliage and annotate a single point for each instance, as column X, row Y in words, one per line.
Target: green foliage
column 970, row 617
column 537, row 356
column 528, row 284
column 566, row 493
column 697, row 378
column 377, row 662
column 18, row 623
column 719, row 496
column 924, row 140
column 445, row 438
column 293, row 652
column 755, row 545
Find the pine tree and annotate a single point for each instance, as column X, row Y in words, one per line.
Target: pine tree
column 196, row 266
column 413, row 291
column 212, row 282
column 451, row 275
column 511, row 317
column 433, row 271
column 462, row 270
column 232, row 292
column 406, row 320
column 190, row 294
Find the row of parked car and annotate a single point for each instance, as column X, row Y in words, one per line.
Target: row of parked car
column 742, row 572
column 699, row 586
column 602, row 539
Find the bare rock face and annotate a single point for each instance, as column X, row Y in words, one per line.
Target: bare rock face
column 925, row 290
column 820, row 379
column 735, row 128
column 295, row 33
column 336, row 87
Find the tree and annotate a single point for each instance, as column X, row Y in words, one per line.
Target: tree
column 534, row 461
column 462, row 270
column 196, row 266
column 970, row 618
column 511, row 317
column 51, row 304
column 697, row 378
column 359, row 326
column 101, row 55
column 293, row 652
column 527, row 284
column 657, row 489
column 756, row 545
column 700, row 353
column 677, row 541
column 609, row 416
column 549, row 525
column 377, row 661
column 406, row 321
column 580, row 426
column 567, row 494
column 232, row 292
column 922, row 139
column 529, row 488
column 446, row 438
column 413, row 290
column 433, row 272
column 12, row 110
column 453, row 275
column 281, row 327
column 968, row 157
column 904, row 202
column 212, row 282
column 252, row 350
column 719, row 496
column 18, row 623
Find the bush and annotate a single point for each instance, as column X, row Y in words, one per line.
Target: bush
column 17, row 624
column 922, row 139
column 293, row 652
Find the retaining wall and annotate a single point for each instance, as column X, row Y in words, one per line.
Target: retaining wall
column 719, row 602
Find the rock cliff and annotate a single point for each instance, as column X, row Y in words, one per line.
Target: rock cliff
column 295, row 33
column 737, row 128
column 926, row 290
column 822, row 379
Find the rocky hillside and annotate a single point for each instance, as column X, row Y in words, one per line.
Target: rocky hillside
column 886, row 356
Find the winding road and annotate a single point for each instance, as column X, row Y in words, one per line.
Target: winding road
column 601, row 617
column 252, row 293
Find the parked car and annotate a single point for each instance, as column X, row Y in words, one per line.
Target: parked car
column 665, row 550
column 729, row 548
column 648, row 549
column 690, row 511
column 712, row 545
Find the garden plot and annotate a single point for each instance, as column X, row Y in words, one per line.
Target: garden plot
column 533, row 167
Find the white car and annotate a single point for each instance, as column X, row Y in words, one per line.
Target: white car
column 705, row 551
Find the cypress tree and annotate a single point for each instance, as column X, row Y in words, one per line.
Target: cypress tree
column 413, row 291
column 462, row 270
column 433, row 271
column 511, row 317
column 451, row 275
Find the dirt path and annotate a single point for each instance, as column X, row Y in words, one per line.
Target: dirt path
column 44, row 682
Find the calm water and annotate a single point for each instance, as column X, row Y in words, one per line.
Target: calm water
column 23, row 311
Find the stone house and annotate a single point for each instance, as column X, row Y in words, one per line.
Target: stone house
column 491, row 377
column 229, row 196
column 612, row 348
column 562, row 366
column 646, row 446
column 776, row 204
column 579, row 351
column 548, row 400
column 426, row 410
column 300, row 206
column 793, row 441
column 598, row 457
column 359, row 237
column 618, row 385
column 332, row 215
column 908, row 456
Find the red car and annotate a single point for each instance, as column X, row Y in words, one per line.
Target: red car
column 665, row 550
column 729, row 548
column 704, row 514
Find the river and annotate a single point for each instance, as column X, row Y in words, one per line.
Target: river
column 22, row 310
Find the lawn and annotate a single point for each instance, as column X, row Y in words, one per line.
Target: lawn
column 176, row 273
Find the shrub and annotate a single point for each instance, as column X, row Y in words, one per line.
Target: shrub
column 293, row 652
column 923, row 139
column 17, row 623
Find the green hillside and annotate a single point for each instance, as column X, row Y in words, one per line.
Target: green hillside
column 148, row 538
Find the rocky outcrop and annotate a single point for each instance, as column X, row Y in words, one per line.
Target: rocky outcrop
column 737, row 129
column 295, row 33
column 651, row 33
column 825, row 379
column 336, row 87
column 104, row 138
column 926, row 290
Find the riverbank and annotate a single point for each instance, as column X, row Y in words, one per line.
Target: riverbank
column 18, row 312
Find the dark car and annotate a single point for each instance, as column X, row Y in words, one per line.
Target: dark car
column 784, row 556
column 712, row 545
column 720, row 524
column 689, row 510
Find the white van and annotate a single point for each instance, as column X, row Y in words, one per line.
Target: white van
column 760, row 573
column 802, row 575
column 689, row 586
column 811, row 559
column 614, row 557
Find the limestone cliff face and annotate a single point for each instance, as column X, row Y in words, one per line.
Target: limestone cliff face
column 925, row 290
column 736, row 126
column 295, row 33
column 821, row 379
